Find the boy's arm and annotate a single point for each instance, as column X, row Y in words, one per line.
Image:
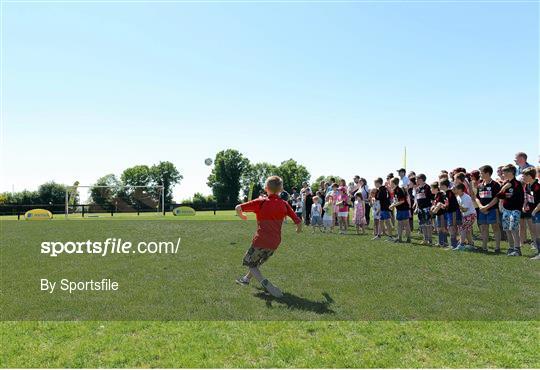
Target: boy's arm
column 240, row 213
column 252, row 206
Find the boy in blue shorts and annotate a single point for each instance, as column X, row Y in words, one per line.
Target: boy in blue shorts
column 512, row 196
column 422, row 205
column 437, row 210
column 403, row 211
column 487, row 191
column 532, row 202
column 452, row 214
column 384, row 199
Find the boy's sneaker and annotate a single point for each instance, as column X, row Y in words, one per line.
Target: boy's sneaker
column 242, row 281
column 537, row 257
column 273, row 290
column 376, row 237
column 397, row 241
column 459, row 247
column 515, row 253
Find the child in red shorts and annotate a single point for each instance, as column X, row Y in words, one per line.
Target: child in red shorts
column 270, row 213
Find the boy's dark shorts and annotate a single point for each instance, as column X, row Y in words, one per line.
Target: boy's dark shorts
column 255, row 257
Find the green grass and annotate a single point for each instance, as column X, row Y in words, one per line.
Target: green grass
column 340, row 287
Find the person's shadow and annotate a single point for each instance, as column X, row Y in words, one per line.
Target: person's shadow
column 298, row 303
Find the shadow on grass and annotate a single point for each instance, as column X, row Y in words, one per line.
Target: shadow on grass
column 298, row 303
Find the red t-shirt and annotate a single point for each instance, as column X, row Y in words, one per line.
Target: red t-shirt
column 270, row 214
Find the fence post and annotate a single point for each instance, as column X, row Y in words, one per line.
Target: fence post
column 82, row 213
column 18, row 213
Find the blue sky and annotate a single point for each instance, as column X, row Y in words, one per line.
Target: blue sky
column 90, row 89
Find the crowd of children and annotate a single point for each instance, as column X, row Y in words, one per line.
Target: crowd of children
column 509, row 205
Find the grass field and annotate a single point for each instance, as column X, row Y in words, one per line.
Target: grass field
column 349, row 302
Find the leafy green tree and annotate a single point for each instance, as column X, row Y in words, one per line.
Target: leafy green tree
column 21, row 197
column 104, row 197
column 316, row 184
column 166, row 174
column 293, row 174
column 138, row 197
column 225, row 178
column 256, row 175
column 52, row 193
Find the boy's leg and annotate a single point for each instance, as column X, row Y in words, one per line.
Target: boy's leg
column 484, row 233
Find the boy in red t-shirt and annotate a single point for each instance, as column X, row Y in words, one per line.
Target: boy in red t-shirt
column 270, row 213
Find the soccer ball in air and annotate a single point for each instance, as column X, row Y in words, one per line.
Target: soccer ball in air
column 208, row 161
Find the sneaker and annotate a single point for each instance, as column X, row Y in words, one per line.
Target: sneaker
column 515, row 253
column 273, row 290
column 533, row 246
column 376, row 237
column 242, row 281
column 537, row 257
column 459, row 247
column 397, row 241
column 497, row 251
column 408, row 241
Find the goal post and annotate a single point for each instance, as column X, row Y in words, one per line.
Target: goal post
column 103, row 200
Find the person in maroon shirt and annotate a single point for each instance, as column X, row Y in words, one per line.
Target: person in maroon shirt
column 532, row 203
column 512, row 196
column 270, row 213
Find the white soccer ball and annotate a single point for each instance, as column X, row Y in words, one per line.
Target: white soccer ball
column 208, row 161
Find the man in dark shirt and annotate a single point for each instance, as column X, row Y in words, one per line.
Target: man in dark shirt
column 512, row 196
column 486, row 191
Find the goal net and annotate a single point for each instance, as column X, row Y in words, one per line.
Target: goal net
column 104, row 200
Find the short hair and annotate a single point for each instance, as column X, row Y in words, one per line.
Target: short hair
column 461, row 176
column 422, row 177
column 510, row 168
column 334, row 185
column 522, row 155
column 486, row 169
column 445, row 182
column 395, row 181
column 435, row 185
column 274, row 184
column 460, row 187
column 316, row 198
column 530, row 171
column 378, row 180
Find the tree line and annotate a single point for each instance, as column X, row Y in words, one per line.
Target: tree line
column 233, row 173
column 232, row 176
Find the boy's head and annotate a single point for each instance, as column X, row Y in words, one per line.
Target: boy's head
column 459, row 177
column 401, row 172
column 316, row 199
column 444, row 184
column 529, row 175
column 509, row 171
column 460, row 189
column 274, row 185
column 421, row 179
column 335, row 186
column 394, row 182
column 486, row 172
column 378, row 182
column 434, row 187
column 521, row 159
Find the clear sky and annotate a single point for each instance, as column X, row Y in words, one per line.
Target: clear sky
column 92, row 88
